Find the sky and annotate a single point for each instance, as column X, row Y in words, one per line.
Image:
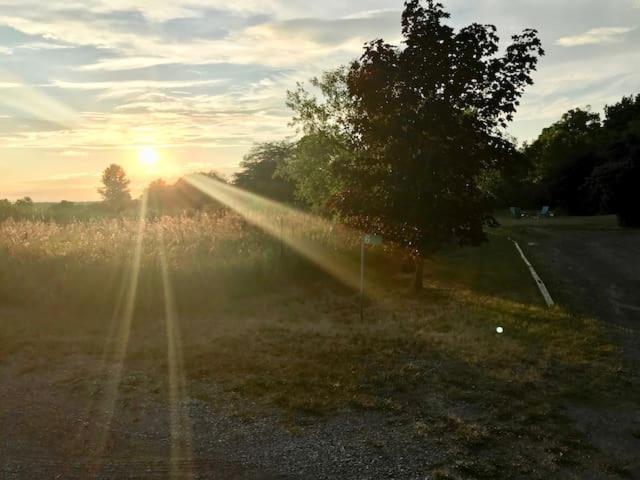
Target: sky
column 86, row 83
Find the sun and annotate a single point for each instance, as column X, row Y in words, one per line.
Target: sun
column 148, row 156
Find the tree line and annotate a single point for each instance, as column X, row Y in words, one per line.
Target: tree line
column 584, row 164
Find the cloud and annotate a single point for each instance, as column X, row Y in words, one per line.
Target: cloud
column 125, row 63
column 372, row 13
column 65, row 177
column 595, row 36
column 43, row 46
column 134, row 84
column 73, row 153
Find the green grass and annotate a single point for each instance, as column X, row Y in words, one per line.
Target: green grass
column 293, row 343
column 594, row 222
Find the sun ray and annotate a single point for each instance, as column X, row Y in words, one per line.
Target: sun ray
column 19, row 96
column 299, row 233
column 110, row 396
column 180, row 424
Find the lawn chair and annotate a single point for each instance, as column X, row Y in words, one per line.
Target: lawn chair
column 545, row 212
column 516, row 212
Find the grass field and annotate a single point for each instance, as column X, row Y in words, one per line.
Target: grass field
column 587, row 222
column 263, row 331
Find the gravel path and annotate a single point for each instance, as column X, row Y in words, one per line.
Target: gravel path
column 47, row 431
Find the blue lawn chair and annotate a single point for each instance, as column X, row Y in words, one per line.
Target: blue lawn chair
column 516, row 212
column 545, row 212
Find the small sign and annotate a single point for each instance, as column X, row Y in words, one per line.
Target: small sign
column 370, row 239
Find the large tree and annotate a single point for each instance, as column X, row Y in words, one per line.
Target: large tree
column 115, row 187
column 430, row 120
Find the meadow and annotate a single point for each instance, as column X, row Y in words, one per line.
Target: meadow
column 264, row 333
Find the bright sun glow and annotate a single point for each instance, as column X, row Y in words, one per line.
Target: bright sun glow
column 148, row 156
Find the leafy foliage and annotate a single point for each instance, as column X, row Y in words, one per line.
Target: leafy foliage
column 309, row 168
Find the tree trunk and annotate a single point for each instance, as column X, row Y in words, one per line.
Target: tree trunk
column 417, row 281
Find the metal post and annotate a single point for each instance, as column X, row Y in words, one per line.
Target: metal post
column 281, row 237
column 362, row 279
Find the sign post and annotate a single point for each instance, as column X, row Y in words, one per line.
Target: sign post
column 367, row 239
column 362, row 279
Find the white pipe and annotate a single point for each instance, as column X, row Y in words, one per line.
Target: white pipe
column 541, row 286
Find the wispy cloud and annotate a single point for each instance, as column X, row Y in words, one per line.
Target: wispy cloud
column 595, row 36
column 126, row 63
column 134, row 84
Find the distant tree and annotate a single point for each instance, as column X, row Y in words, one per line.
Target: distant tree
column 574, row 135
column 259, row 171
column 181, row 197
column 215, row 175
column 561, row 159
column 623, row 117
column 430, row 119
column 582, row 164
column 159, row 195
column 115, row 189
column 6, row 209
column 24, row 202
column 614, row 181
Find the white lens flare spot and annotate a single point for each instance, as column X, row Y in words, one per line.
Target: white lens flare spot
column 148, row 156
column 499, row 329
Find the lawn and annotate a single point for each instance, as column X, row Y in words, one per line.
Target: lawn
column 263, row 334
column 586, row 222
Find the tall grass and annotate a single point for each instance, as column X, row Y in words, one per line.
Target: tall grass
column 83, row 264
